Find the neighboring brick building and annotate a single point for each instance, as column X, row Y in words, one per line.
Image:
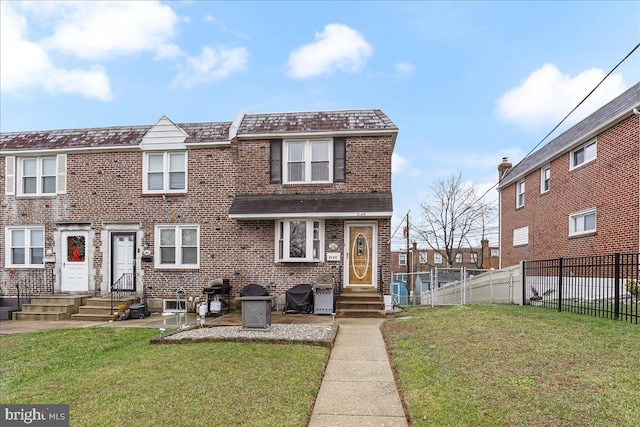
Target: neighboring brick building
column 423, row 260
column 268, row 198
column 579, row 194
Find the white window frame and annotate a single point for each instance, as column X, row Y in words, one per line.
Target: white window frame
column 545, row 179
column 166, row 156
column 423, row 258
column 520, row 191
column 586, row 148
column 474, row 257
column 459, row 258
column 437, row 258
column 9, row 246
column 402, row 259
column 58, row 175
column 178, row 228
column 308, row 143
column 495, row 253
column 283, row 240
column 577, row 229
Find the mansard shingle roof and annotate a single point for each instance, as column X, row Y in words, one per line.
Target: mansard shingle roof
column 345, row 121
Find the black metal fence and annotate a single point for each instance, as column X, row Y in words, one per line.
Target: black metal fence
column 601, row 286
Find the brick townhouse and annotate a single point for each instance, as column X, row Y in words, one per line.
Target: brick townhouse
column 274, row 199
column 422, row 260
column 579, row 194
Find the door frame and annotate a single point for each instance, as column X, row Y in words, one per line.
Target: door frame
column 112, row 238
column 60, row 244
column 374, row 252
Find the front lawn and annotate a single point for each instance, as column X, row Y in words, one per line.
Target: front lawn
column 114, row 377
column 515, row 366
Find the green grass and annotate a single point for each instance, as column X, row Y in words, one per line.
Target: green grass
column 516, row 366
column 114, row 377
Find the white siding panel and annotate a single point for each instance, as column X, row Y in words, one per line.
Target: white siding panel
column 163, row 135
column 521, row 236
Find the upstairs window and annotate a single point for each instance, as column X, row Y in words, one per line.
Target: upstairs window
column 474, row 257
column 299, row 240
column 25, row 247
column 520, row 194
column 165, row 172
column 402, row 259
column 584, row 154
column 35, row 176
column 458, row 258
column 545, row 179
column 437, row 258
column 423, row 258
column 177, row 246
column 582, row 222
column 308, row 161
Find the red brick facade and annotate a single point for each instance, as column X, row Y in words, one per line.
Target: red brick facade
column 609, row 184
column 104, row 195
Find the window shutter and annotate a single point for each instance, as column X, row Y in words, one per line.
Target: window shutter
column 61, row 181
column 275, row 172
column 10, row 175
column 339, row 159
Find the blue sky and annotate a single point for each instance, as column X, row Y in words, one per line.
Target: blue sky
column 467, row 83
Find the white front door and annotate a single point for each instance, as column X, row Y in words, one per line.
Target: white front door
column 75, row 268
column 123, row 255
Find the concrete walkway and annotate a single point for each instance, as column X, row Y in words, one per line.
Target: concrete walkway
column 358, row 388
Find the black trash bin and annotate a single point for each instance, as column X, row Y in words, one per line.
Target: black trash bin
column 137, row 311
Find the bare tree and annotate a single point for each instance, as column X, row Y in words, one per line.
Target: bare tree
column 450, row 214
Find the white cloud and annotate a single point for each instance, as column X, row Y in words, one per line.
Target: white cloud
column 547, row 95
column 404, row 69
column 212, row 65
column 402, row 166
column 27, row 65
column 338, row 47
column 101, row 30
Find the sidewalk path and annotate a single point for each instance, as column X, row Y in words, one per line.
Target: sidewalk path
column 358, row 388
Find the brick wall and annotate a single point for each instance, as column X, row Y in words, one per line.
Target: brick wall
column 609, row 184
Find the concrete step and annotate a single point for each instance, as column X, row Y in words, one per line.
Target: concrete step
column 39, row 316
column 98, row 310
column 48, row 308
column 94, row 317
column 76, row 300
column 360, row 305
column 360, row 313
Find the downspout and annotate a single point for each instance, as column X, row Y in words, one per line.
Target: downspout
column 637, row 114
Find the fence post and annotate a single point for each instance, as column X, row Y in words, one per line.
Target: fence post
column 560, row 274
column 616, row 291
column 523, row 274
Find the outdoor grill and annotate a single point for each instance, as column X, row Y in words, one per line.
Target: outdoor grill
column 216, row 294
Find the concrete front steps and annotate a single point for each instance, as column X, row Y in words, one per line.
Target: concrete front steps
column 99, row 309
column 357, row 302
column 51, row 307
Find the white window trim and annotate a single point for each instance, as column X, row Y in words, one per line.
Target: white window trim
column 15, row 174
column 459, row 259
column 495, row 253
column 474, row 257
column 437, row 258
column 518, row 193
column 165, row 173
column 402, row 259
column 309, row 246
column 582, row 214
column 422, row 258
column 572, row 164
column 542, row 179
column 178, row 264
column 9, row 245
column 307, row 160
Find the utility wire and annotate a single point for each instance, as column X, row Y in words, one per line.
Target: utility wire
column 565, row 117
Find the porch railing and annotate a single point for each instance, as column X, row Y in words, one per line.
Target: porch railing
column 33, row 282
column 124, row 287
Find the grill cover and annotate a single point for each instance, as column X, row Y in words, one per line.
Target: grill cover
column 254, row 290
column 299, row 299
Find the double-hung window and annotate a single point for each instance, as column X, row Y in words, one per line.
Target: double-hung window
column 35, row 176
column 584, row 154
column 545, row 179
column 402, row 259
column 474, row 257
column 299, row 240
column 165, row 172
column 458, row 258
column 24, row 247
column 437, row 258
column 520, row 194
column 308, row 161
column 582, row 222
column 177, row 246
